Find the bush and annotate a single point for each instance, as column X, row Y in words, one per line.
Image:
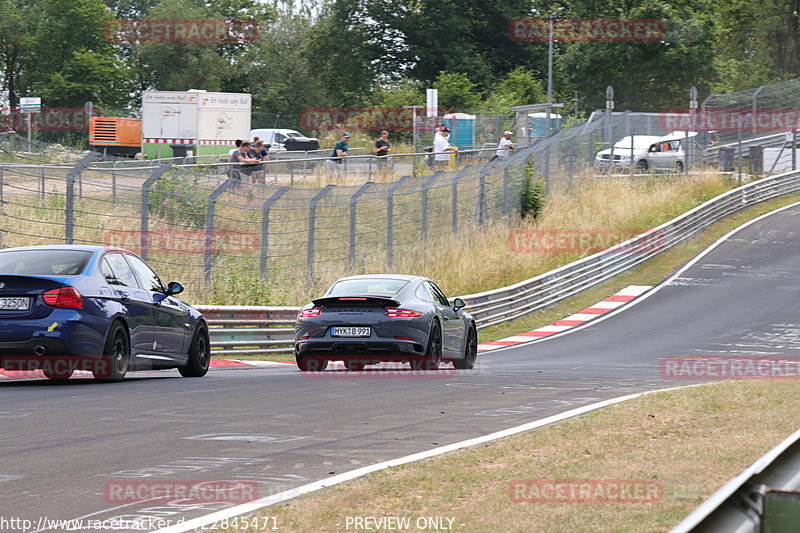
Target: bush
column 534, row 196
column 179, row 198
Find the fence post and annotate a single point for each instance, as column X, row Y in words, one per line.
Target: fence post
column 265, row 207
column 2, row 179
column 389, row 219
column 506, row 199
column 454, row 206
column 42, row 186
column 312, row 214
column 353, row 199
column 481, row 207
column 69, row 208
column 208, row 245
column 114, row 184
column 425, row 188
column 144, row 238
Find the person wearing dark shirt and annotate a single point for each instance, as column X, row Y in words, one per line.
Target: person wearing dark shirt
column 242, row 155
column 334, row 164
column 382, row 149
column 259, row 152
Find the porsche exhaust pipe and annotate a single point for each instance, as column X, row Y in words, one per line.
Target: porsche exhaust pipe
column 338, row 348
column 40, row 350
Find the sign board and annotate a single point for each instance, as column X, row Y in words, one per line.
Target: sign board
column 190, row 117
column 30, row 104
column 432, row 102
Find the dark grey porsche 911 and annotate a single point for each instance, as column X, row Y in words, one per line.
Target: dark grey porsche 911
column 365, row 320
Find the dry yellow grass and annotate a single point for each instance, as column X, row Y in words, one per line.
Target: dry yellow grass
column 691, row 441
column 480, row 259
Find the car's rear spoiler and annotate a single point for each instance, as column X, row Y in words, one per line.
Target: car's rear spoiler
column 340, row 301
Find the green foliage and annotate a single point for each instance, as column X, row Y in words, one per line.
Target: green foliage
column 244, row 284
column 521, row 86
column 178, row 198
column 457, row 92
column 533, row 197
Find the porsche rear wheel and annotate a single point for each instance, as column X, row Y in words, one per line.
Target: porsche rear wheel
column 433, row 352
column 306, row 364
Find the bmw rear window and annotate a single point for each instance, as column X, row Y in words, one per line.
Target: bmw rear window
column 44, row 262
column 366, row 287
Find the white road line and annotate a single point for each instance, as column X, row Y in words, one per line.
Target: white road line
column 255, row 505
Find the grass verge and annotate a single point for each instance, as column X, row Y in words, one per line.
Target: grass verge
column 691, row 440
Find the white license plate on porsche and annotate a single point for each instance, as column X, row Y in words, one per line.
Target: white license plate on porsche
column 15, row 304
column 351, row 331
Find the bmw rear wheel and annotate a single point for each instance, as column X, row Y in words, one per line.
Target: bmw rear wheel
column 114, row 364
column 470, row 351
column 55, row 375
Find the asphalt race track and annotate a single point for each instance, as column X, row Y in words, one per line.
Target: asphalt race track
column 61, row 444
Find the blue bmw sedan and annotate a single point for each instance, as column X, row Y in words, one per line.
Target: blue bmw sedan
column 102, row 309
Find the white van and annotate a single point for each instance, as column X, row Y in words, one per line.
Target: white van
column 276, row 138
column 658, row 152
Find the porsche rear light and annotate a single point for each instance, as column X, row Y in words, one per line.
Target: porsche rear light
column 310, row 313
column 63, row 297
column 351, row 299
column 401, row 313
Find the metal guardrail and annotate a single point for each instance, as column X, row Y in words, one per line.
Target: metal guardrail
column 763, row 497
column 251, row 330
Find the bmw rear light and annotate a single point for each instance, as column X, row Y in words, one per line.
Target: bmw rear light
column 401, row 313
column 310, row 313
column 63, row 297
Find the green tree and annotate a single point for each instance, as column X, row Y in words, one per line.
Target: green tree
column 521, row 86
column 646, row 76
column 17, row 36
column 457, row 92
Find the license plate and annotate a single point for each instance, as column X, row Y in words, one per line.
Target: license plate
column 15, row 304
column 351, row 331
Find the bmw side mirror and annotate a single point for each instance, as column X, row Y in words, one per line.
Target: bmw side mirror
column 458, row 303
column 173, row 287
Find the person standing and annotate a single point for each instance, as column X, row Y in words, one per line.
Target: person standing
column 504, row 147
column 242, row 155
column 261, row 153
column 339, row 153
column 382, row 148
column 441, row 147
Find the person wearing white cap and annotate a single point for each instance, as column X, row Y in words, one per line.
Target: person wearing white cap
column 505, row 146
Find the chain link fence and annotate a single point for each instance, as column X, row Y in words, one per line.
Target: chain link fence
column 204, row 225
